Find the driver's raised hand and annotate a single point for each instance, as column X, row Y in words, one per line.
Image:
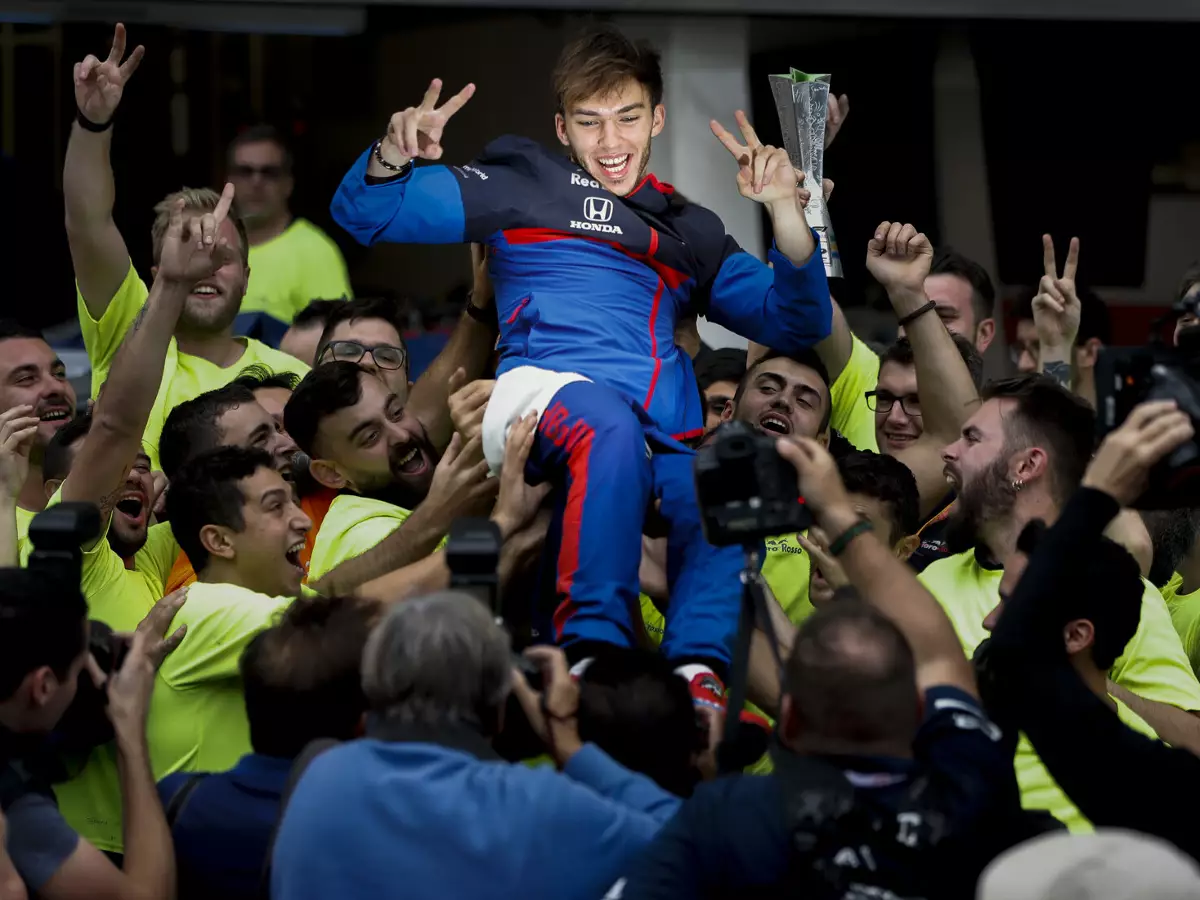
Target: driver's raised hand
column 416, row 133
column 100, row 84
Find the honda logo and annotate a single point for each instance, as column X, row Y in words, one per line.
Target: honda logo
column 597, row 209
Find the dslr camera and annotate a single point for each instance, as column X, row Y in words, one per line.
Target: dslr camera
column 1126, row 377
column 745, row 489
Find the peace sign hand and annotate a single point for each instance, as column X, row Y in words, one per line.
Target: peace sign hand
column 1056, row 308
column 417, row 131
column 765, row 174
column 99, row 85
column 193, row 249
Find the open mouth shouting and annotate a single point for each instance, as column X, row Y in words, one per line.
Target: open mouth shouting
column 408, row 460
column 133, row 508
column 57, row 415
column 206, row 290
column 293, row 556
column 775, row 423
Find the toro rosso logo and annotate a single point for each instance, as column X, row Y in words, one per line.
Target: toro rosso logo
column 596, row 213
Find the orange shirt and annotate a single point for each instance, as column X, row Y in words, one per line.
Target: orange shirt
column 314, row 506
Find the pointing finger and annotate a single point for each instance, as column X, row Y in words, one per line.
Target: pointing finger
column 458, row 101
column 224, row 204
column 429, row 101
column 1049, row 266
column 1072, row 260
column 747, row 130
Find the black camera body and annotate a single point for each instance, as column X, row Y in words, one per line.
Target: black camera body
column 58, row 534
column 1126, row 377
column 745, row 489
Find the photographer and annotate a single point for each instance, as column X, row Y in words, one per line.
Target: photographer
column 425, row 802
column 43, row 651
column 1110, row 771
column 881, row 737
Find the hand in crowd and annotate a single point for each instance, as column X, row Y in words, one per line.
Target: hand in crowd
column 519, row 500
column 899, row 257
column 416, row 133
column 1121, row 467
column 129, row 688
column 18, row 430
column 460, row 485
column 835, row 117
column 468, row 403
column 553, row 714
column 193, row 248
column 816, row 545
column 820, row 483
column 1056, row 307
column 523, row 548
column 765, row 173
column 99, row 85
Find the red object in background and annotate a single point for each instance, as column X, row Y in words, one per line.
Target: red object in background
column 1131, row 325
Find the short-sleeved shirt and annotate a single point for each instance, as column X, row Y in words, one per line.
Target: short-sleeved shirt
column 39, row 839
column 197, row 720
column 733, row 838
column 850, row 414
column 352, row 526
column 289, row 271
column 1185, row 616
column 184, row 376
column 1153, row 665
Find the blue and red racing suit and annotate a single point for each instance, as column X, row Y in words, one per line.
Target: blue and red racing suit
column 589, row 287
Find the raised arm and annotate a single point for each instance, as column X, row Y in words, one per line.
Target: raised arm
column 785, row 306
column 191, row 252
column 899, row 258
column 881, row 579
column 384, row 198
column 1056, row 313
column 98, row 251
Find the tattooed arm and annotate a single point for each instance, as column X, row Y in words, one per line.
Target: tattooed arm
column 190, row 253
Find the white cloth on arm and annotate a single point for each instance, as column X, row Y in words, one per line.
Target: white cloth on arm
column 517, row 393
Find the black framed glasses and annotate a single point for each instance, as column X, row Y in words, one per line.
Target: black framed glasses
column 883, row 401
column 385, row 355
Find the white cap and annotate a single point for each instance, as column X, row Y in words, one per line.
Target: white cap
column 1111, row 864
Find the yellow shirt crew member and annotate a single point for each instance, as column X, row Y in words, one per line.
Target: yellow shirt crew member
column 184, row 376
column 352, row 526
column 1153, row 665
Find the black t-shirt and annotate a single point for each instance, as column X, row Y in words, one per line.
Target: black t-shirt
column 933, row 537
column 733, row 838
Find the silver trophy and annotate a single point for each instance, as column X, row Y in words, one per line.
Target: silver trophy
column 802, row 102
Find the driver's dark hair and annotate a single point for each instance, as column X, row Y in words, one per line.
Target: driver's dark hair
column 41, row 624
column 807, row 358
column 948, row 261
column 321, row 393
column 258, row 376
column 600, row 60
column 205, row 491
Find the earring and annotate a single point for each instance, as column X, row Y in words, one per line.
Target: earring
column 1017, row 484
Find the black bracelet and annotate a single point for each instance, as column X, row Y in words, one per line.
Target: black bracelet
column 377, row 152
column 920, row 312
column 483, row 315
column 842, row 541
column 88, row 125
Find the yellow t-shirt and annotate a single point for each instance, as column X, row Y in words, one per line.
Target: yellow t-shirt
column 1185, row 616
column 24, row 517
column 197, row 720
column 184, row 376
column 1153, row 665
column 851, row 416
column 289, row 271
column 352, row 526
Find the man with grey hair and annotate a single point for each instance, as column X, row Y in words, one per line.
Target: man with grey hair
column 426, row 802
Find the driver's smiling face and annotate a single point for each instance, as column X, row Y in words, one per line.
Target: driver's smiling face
column 781, row 396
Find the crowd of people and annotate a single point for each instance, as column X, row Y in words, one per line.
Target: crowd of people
column 265, row 667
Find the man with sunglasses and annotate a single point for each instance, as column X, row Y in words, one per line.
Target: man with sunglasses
column 292, row 260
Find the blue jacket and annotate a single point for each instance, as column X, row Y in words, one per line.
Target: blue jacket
column 376, row 819
column 589, row 282
column 221, row 832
